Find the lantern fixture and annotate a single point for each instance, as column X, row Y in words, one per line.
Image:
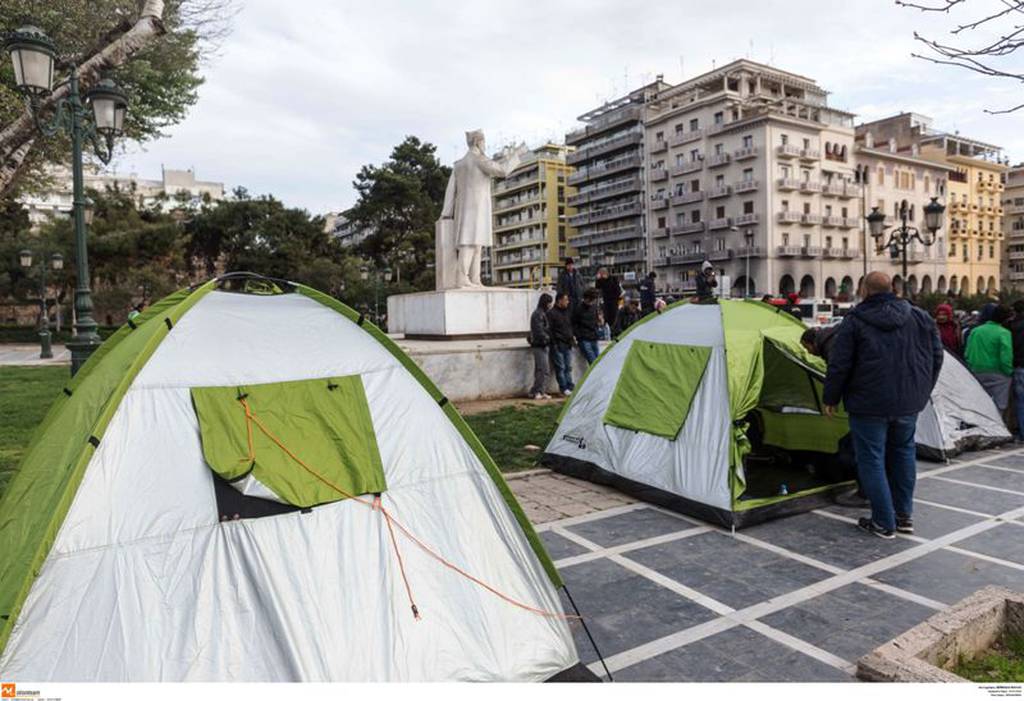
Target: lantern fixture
column 32, row 54
column 57, row 261
column 876, row 223
column 933, row 212
column 25, row 258
column 109, row 106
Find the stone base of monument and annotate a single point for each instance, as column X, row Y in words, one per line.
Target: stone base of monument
column 472, row 313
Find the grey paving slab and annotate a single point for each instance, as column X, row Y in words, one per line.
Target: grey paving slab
column 929, row 521
column 630, row 527
column 1015, row 460
column 849, row 621
column 735, row 655
column 559, row 546
column 827, row 539
column 948, row 577
column 985, row 501
column 624, row 610
column 727, row 569
column 1005, row 541
column 978, row 474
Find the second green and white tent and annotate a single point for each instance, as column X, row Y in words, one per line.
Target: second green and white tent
column 715, row 410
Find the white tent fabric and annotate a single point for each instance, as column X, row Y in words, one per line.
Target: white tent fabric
column 960, row 414
column 144, row 584
column 649, row 459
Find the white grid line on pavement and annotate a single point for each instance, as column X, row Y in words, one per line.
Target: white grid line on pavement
column 980, row 486
column 626, row 547
column 593, row 516
column 987, row 558
column 803, row 646
column 959, row 509
column 1018, row 470
column 904, row 594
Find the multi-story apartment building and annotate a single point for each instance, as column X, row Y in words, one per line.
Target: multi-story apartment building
column 531, row 220
column 750, row 168
column 1013, row 226
column 175, row 188
column 973, row 197
column 889, row 178
column 610, row 163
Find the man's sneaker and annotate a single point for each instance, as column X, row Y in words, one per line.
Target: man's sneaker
column 567, row 393
column 545, row 396
column 869, row 526
column 904, row 525
column 536, row 395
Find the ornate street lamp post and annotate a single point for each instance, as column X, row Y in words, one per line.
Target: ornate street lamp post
column 901, row 237
column 378, row 276
column 56, row 263
column 98, row 120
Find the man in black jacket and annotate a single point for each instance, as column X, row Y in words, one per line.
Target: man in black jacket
column 585, row 322
column 883, row 365
column 570, row 283
column 627, row 316
column 540, row 342
column 648, row 293
column 610, row 290
column 560, row 326
column 819, row 341
column 706, row 282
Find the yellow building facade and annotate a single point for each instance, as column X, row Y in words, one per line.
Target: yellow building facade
column 531, row 220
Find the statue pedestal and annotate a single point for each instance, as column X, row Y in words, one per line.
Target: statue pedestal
column 473, row 313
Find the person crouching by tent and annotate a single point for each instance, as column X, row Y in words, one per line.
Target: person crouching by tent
column 540, row 343
column 627, row 316
column 706, row 282
column 989, row 355
column 949, row 329
column 586, row 320
column 819, row 341
column 560, row 325
column 883, row 365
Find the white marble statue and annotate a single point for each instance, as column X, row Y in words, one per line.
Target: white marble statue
column 465, row 224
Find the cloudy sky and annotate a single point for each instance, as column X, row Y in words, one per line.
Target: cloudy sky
column 304, row 92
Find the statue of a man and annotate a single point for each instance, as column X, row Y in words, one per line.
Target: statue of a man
column 467, row 205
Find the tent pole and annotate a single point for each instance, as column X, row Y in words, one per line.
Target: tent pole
column 586, row 630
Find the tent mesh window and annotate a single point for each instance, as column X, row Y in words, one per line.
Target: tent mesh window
column 299, row 444
column 657, row 387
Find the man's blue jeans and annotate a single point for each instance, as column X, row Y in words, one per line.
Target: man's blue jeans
column 561, row 358
column 589, row 349
column 887, row 464
column 1018, row 391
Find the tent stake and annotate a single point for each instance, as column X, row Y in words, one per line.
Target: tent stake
column 586, row 630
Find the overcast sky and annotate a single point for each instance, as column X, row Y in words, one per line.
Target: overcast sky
column 304, row 92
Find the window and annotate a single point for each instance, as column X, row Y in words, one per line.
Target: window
column 845, row 212
column 785, row 238
column 748, row 207
column 720, row 212
column 748, row 141
column 991, row 251
column 828, row 210
column 719, row 181
column 659, row 136
column 807, row 143
column 828, row 242
column 661, row 222
column 748, row 175
column 805, row 175
column 695, row 186
column 719, row 149
column 846, row 243
column 785, row 205
column 785, row 139
column 680, row 159
column 719, row 118
column 881, row 175
column 694, row 125
column 679, row 128
column 807, row 240
column 695, row 216
column 694, row 155
column 952, row 248
column 719, row 244
column 807, row 207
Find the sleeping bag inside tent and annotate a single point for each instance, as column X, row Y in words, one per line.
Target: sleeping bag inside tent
column 250, row 482
column 710, row 409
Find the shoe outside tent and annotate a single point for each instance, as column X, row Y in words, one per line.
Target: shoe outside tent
column 715, row 410
column 250, row 482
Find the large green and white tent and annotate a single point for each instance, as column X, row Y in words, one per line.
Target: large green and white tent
column 250, row 483
column 715, row 410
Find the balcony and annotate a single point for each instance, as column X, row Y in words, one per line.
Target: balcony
column 718, row 159
column 659, row 202
column 507, row 206
column 850, row 223
column 810, row 251
column 748, row 219
column 810, row 186
column 689, row 228
column 749, row 252
column 688, row 167
column 597, row 193
column 835, row 189
column 831, row 220
column 745, row 186
column 604, row 122
column 787, row 183
column 685, row 137
column 724, row 254
column 593, row 150
column 605, row 213
column 831, row 252
column 606, row 168
column 659, row 232
column 687, row 198
column 517, row 223
column 720, row 223
column 659, row 145
column 788, row 251
column 789, row 217
column 619, row 233
column 788, row 151
column 850, row 191
column 810, row 154
column 742, row 154
column 659, row 174
column 508, row 185
column 850, row 253
column 811, row 219
column 720, row 191
column 685, row 258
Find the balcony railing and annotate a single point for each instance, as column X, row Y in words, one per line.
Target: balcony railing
column 836, row 189
column 810, row 219
column 718, row 159
column 789, row 217
column 748, row 219
column 685, row 137
column 596, row 149
column 687, row 198
column 810, row 251
column 850, row 253
column 810, row 154
column 659, row 145
column 744, row 153
column 688, row 228
column 593, row 171
column 659, row 232
column 720, row 191
column 851, row 190
column 603, row 191
column 750, row 252
column 659, row 202
column 596, row 126
column 719, row 223
column 831, row 220
column 788, row 251
column 659, row 174
column 788, row 151
column 619, row 233
column 850, row 223
column 605, row 213
column 505, row 206
column 685, row 258
column 688, row 167
column 745, row 186
column 787, row 183
column 810, row 186
column 724, row 254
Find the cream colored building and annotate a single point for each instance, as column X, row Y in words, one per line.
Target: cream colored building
column 174, row 189
column 1013, row 227
column 973, row 231
column 889, row 178
column 531, row 220
column 752, row 154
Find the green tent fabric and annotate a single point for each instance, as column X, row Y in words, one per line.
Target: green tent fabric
column 803, row 431
column 325, row 422
column 656, row 387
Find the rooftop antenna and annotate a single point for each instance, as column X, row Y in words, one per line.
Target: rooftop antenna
column 713, row 64
column 771, row 54
column 750, row 48
column 682, row 68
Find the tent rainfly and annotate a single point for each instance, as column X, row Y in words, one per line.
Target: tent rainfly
column 715, row 410
column 251, row 483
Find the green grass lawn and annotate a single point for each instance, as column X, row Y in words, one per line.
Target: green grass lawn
column 1003, row 663
column 25, row 395
column 506, row 433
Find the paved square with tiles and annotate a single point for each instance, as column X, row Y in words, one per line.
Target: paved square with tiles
column 671, row 598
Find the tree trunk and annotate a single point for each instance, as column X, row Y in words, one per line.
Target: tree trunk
column 17, row 139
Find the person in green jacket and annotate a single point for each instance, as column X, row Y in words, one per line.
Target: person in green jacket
column 990, row 355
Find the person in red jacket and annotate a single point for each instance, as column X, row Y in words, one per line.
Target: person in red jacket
column 949, row 329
